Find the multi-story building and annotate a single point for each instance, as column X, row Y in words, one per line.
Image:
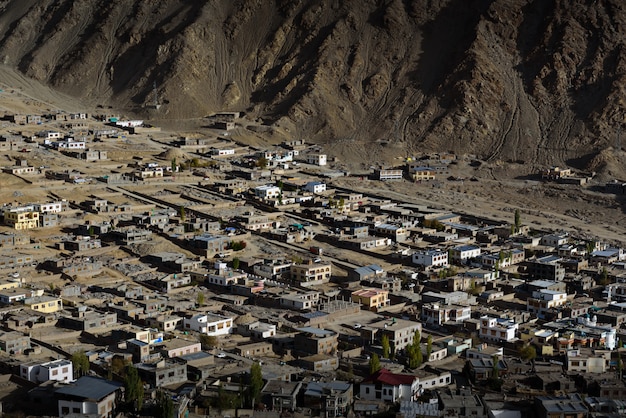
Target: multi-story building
column 328, row 399
column 463, row 253
column 9, row 240
column 282, row 396
column 14, row 342
column 272, row 269
column 164, row 323
column 20, row 218
column 60, row 370
column 316, row 159
column 385, row 386
column 212, row 244
column 497, row 329
column 430, row 258
column 421, row 173
column 88, row 396
column 543, row 300
column 371, row 299
column 267, row 191
column 395, row 232
column 162, row 373
column 315, row 187
column 588, row 361
column 437, row 314
column 555, row 240
column 311, row 340
column 50, row 207
column 546, row 268
column 399, row 331
column 300, row 301
column 209, row 324
column 311, row 273
column 388, row 174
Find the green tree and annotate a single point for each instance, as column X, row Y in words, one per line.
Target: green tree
column 603, row 280
column 374, row 363
column 173, row 165
column 350, row 370
column 227, row 400
column 200, row 299
column 528, row 352
column 208, row 341
column 237, row 245
column 80, row 363
column 236, row 263
column 164, row 405
column 385, row 343
column 591, row 246
column 256, row 383
column 181, row 212
column 261, row 162
column 495, row 371
column 133, row 388
column 518, row 220
column 414, row 351
column 429, row 346
column 342, row 203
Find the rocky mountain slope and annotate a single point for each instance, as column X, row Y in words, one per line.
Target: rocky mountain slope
column 539, row 81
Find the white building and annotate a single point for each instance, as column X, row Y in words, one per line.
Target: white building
column 52, row 207
column 262, row 330
column 50, row 135
column 222, row 152
column 430, row 258
column 555, row 240
column 274, row 270
column 464, row 253
column 268, row 191
column 129, row 123
column 437, row 314
column 385, row 386
column 497, row 329
column 316, row 159
column 588, row 361
column 60, row 370
column 300, row 301
column 209, row 324
column 225, row 277
column 544, row 300
column 315, row 187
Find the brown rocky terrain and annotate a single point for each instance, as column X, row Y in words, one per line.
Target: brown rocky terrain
column 538, row 81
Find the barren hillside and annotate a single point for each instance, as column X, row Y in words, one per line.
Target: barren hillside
column 539, row 81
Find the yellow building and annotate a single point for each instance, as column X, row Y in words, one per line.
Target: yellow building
column 8, row 284
column 311, row 272
column 45, row 304
column 372, row 299
column 23, row 218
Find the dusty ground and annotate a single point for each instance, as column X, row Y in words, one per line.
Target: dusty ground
column 582, row 210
